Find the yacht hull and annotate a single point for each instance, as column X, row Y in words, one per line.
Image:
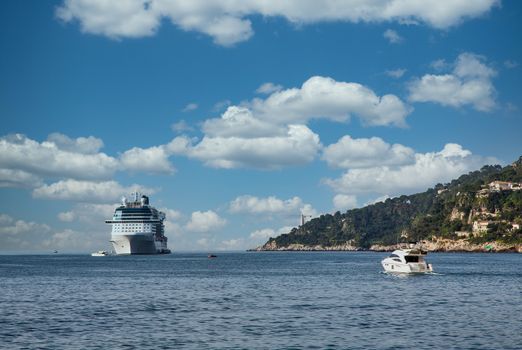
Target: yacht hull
column 396, row 267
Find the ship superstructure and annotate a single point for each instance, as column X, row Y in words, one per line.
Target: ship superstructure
column 137, row 227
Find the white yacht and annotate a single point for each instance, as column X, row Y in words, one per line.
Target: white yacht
column 100, row 253
column 407, row 261
column 137, row 228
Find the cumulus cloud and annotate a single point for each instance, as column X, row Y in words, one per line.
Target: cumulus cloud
column 86, row 145
column 298, row 146
column 20, row 234
column 87, row 191
column 26, row 163
column 240, row 122
column 366, row 153
column 17, row 227
column 268, row 88
column 88, row 212
column 153, row 159
column 427, row 170
column 227, row 21
column 18, row 178
column 270, row 205
column 270, row 133
column 323, row 97
column 67, row 158
column 205, row 221
column 344, row 202
column 468, row 84
column 393, row 37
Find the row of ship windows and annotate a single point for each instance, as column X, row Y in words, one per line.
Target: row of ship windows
column 127, row 225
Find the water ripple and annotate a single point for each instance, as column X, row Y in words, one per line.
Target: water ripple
column 258, row 301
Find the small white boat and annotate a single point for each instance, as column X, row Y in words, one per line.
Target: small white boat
column 100, row 253
column 407, row 261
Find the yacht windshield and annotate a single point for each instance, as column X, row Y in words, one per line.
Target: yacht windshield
column 411, row 258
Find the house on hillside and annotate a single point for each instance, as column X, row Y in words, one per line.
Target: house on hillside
column 504, row 186
column 480, row 226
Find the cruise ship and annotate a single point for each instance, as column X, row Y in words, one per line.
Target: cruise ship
column 137, row 228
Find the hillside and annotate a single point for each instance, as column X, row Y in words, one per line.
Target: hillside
column 477, row 210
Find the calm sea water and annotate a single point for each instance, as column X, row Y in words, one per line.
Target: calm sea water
column 259, row 301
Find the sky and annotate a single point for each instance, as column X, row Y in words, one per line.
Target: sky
column 238, row 117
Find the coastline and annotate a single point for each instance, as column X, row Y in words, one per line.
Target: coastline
column 438, row 245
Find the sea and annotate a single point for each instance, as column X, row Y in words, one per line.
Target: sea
column 259, row 300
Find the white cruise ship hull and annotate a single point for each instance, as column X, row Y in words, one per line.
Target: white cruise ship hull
column 135, row 244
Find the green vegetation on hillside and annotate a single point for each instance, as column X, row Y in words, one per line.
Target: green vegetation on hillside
column 442, row 211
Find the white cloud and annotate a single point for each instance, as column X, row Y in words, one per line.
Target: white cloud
column 284, row 229
column 323, row 97
column 393, row 37
column 171, row 214
column 190, row 107
column 153, row 160
column 263, row 234
column 115, row 19
column 219, row 106
column 233, row 244
column 468, row 84
column 85, row 145
column 87, row 191
column 205, row 221
column 172, row 225
column 17, row 227
column 88, row 212
column 181, row 126
column 5, row 220
column 366, row 153
column 25, row 162
column 344, row 202
column 266, row 233
column 270, row 205
column 18, row 178
column 67, row 216
column 439, row 64
column 379, row 199
column 240, row 122
column 227, row 23
column 269, row 134
column 20, row 234
column 66, row 239
column 299, row 146
column 62, row 159
column 268, row 88
column 308, row 211
column 427, row 170
column 396, row 73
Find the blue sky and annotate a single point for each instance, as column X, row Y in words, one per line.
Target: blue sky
column 237, row 117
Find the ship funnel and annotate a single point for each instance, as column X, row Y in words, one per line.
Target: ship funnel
column 124, row 200
column 144, row 200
